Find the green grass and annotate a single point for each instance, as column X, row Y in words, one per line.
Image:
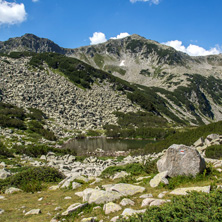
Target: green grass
column 133, row 169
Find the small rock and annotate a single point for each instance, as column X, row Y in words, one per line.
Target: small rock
column 96, row 208
column 56, row 187
column 111, row 207
column 158, row 202
column 147, row 202
column 33, row 212
column 79, row 194
column 73, row 208
column 141, row 178
column 184, row 191
column 126, row 201
column 68, row 198
column 158, row 178
column 121, row 174
column 2, row 197
column 149, row 195
column 40, row 199
column 1, row 211
column 129, row 212
column 90, row 219
column 114, row 219
column 161, row 195
column 4, row 174
column 76, row 185
column 12, row 190
column 58, row 208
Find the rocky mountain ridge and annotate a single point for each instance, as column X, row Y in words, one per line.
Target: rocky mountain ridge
column 180, row 87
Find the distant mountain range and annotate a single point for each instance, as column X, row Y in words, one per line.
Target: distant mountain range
column 182, row 88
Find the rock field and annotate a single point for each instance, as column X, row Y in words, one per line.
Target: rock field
column 68, row 106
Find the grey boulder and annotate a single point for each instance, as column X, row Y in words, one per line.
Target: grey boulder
column 181, row 160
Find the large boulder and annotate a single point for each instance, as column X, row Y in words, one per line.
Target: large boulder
column 181, row 160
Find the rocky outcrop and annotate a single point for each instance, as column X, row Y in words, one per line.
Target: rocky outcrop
column 181, row 160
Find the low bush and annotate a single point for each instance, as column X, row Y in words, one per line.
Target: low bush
column 30, row 180
column 214, row 152
column 4, row 152
column 36, row 127
column 194, row 207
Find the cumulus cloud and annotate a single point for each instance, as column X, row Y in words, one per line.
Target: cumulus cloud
column 98, row 37
column 193, row 50
column 12, row 12
column 121, row 35
column 156, row 2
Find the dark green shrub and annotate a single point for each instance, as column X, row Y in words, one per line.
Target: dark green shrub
column 36, row 114
column 30, row 179
column 195, row 207
column 4, row 152
column 11, row 116
column 37, row 127
column 214, row 152
column 38, row 150
column 150, row 167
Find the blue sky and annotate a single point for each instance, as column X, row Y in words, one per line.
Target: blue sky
column 192, row 26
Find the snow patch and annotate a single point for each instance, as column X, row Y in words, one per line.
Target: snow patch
column 122, row 63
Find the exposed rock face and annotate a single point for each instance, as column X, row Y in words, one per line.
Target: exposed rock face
column 181, row 160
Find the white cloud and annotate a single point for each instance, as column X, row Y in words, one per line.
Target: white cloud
column 98, row 37
column 193, row 50
column 156, row 2
column 121, row 35
column 35, row 0
column 12, row 12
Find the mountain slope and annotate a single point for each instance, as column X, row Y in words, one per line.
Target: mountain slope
column 181, row 88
